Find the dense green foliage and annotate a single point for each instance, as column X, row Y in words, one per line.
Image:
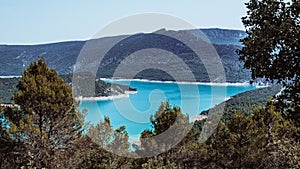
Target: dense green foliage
column 166, row 122
column 264, row 139
column 45, row 121
column 271, row 49
column 103, row 143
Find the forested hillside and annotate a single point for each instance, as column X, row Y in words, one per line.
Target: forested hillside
column 245, row 102
column 63, row 55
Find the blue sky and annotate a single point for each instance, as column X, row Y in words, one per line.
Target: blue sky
column 36, row 21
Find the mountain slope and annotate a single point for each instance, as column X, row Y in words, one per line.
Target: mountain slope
column 62, row 56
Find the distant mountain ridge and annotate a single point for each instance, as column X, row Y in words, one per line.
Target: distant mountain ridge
column 224, row 36
column 63, row 55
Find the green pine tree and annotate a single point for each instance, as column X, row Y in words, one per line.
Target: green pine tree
column 45, row 119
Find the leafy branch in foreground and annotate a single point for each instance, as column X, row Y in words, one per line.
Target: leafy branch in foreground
column 272, row 50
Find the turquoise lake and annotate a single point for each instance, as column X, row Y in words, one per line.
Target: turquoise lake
column 134, row 111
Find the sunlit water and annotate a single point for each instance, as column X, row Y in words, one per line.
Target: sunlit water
column 134, row 111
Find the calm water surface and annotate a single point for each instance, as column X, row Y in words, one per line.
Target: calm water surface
column 134, row 111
